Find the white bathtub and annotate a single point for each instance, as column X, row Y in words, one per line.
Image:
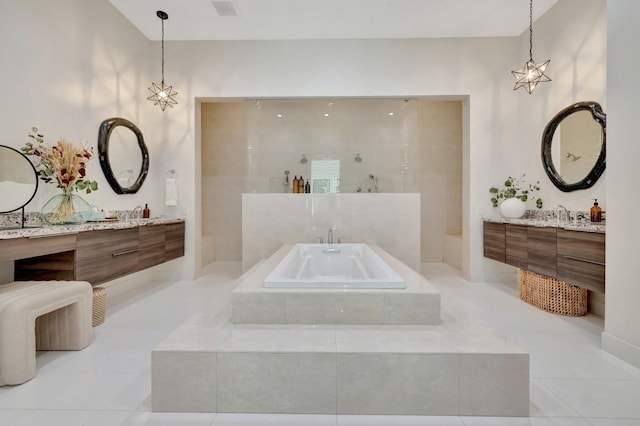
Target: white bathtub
column 335, row 266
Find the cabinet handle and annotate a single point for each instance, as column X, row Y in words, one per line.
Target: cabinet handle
column 120, row 253
column 581, row 259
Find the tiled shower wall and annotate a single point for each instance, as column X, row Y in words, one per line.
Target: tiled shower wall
column 246, row 148
column 389, row 220
column 439, row 175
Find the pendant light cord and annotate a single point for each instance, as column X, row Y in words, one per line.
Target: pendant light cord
column 531, row 30
column 162, row 44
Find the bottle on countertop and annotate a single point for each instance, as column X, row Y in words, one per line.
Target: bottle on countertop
column 146, row 213
column 596, row 212
column 307, row 187
column 296, row 185
column 300, row 186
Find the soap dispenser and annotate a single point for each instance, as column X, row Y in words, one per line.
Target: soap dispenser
column 146, row 213
column 596, row 212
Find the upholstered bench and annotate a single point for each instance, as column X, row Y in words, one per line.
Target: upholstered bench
column 43, row 315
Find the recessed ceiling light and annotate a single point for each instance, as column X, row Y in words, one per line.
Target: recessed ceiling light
column 326, row 114
column 279, row 115
column 391, row 113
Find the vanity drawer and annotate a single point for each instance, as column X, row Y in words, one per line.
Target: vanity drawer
column 516, row 246
column 152, row 243
column 174, row 246
column 541, row 251
column 21, row 248
column 581, row 259
column 104, row 255
column 494, row 241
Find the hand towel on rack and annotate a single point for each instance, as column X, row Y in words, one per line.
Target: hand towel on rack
column 171, row 192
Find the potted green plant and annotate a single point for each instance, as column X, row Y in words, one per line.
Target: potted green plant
column 514, row 194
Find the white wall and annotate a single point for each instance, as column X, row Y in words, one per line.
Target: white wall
column 573, row 34
column 622, row 335
column 69, row 65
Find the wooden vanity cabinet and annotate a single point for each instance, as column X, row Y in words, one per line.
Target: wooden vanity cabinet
column 41, row 258
column 581, row 259
column 95, row 256
column 576, row 257
column 541, row 250
column 160, row 243
column 174, row 241
column 20, row 248
column 494, row 241
column 104, row 255
column 516, row 250
column 152, row 246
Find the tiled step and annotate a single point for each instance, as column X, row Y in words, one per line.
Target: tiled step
column 427, row 370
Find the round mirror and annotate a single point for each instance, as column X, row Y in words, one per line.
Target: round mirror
column 18, row 180
column 574, row 146
column 123, row 155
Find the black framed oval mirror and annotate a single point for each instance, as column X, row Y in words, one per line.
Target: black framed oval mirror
column 123, row 155
column 574, row 146
column 18, row 180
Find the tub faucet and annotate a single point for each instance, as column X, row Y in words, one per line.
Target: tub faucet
column 562, row 209
column 330, row 236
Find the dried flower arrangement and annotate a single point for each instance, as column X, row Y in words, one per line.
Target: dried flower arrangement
column 62, row 163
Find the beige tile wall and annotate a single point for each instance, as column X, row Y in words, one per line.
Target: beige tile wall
column 389, row 220
column 439, row 174
column 246, row 148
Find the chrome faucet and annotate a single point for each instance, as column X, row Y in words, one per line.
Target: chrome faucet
column 330, row 236
column 560, row 209
column 137, row 209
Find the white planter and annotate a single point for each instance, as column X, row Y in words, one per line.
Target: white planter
column 512, row 208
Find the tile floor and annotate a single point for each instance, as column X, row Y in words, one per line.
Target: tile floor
column 573, row 382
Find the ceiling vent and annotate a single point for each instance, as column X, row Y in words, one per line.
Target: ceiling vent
column 225, row 8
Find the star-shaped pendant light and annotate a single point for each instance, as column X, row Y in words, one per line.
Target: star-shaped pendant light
column 531, row 73
column 162, row 94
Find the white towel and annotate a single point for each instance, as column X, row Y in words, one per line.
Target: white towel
column 171, row 192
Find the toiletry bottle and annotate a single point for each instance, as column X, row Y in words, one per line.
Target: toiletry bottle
column 596, row 212
column 307, row 187
column 295, row 184
column 146, row 213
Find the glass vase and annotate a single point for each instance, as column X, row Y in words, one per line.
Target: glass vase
column 67, row 208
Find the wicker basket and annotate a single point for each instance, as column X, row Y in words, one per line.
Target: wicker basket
column 99, row 305
column 552, row 295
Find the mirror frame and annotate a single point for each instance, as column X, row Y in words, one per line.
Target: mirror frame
column 35, row 173
column 104, row 133
column 547, row 138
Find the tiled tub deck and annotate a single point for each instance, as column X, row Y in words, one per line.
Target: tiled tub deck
column 345, row 354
